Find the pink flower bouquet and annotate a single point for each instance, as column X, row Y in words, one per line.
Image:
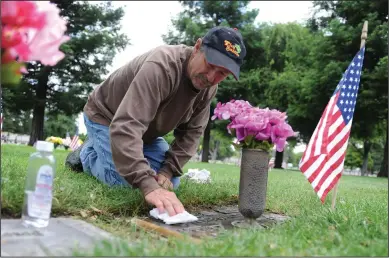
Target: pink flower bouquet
column 254, row 127
column 31, row 31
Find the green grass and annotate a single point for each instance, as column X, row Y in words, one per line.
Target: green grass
column 358, row 227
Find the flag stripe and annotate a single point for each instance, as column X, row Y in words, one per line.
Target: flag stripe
column 312, row 165
column 334, row 151
column 317, row 159
column 332, row 163
column 323, row 146
column 307, row 153
column 329, row 188
column 329, row 175
column 338, row 122
column 321, row 130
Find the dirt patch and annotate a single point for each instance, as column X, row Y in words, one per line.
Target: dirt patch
column 214, row 221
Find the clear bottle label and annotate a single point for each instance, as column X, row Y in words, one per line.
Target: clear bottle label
column 39, row 201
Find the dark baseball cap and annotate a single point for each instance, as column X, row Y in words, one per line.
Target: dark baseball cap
column 224, row 47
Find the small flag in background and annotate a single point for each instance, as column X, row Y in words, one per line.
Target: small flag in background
column 67, row 139
column 323, row 159
column 74, row 143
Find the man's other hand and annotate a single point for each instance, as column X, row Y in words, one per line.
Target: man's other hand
column 164, row 181
column 165, row 200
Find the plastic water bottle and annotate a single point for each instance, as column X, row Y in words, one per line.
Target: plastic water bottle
column 38, row 193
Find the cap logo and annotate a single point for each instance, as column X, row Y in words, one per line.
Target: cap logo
column 235, row 49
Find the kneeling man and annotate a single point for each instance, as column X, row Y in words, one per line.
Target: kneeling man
column 168, row 88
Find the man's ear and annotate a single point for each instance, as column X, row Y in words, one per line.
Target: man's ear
column 198, row 44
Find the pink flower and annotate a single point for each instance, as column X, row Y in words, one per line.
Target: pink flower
column 279, row 133
column 230, row 109
column 6, row 58
column 10, row 37
column 263, row 124
column 36, row 31
column 18, row 14
column 240, row 134
column 276, row 116
column 264, row 134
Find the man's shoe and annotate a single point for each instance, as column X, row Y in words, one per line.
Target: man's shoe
column 73, row 160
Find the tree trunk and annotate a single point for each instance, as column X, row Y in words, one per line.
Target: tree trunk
column 206, row 139
column 384, row 165
column 366, row 150
column 215, row 150
column 38, row 119
column 279, row 159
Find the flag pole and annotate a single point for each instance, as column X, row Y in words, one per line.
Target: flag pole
column 363, row 41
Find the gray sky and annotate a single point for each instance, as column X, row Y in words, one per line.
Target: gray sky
column 145, row 22
column 148, row 33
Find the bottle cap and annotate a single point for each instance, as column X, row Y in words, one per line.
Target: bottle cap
column 44, row 146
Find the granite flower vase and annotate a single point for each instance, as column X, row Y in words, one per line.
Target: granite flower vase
column 253, row 182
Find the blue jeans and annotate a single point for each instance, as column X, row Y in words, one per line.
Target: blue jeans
column 96, row 155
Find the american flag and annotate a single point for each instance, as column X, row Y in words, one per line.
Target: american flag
column 74, row 143
column 323, row 159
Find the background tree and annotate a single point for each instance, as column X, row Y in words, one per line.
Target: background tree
column 16, row 122
column 59, row 125
column 354, row 155
column 220, row 146
column 63, row 89
column 343, row 24
column 295, row 68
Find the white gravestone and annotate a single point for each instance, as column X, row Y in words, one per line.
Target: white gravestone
column 60, row 238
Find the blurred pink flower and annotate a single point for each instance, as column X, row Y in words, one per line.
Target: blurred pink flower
column 44, row 44
column 6, row 58
column 10, row 37
column 16, row 14
column 17, row 17
column 34, row 31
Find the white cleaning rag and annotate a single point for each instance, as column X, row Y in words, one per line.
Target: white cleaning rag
column 202, row 176
column 183, row 217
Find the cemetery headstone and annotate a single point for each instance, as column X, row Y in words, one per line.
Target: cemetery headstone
column 61, row 237
column 220, row 219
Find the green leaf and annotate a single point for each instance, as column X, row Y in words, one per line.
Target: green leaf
column 248, row 139
column 232, row 130
column 237, row 145
column 10, row 73
column 263, row 145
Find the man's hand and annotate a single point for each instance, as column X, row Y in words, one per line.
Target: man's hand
column 165, row 200
column 164, row 181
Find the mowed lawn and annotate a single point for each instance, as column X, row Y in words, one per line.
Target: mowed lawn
column 358, row 226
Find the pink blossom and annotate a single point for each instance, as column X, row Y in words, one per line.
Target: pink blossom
column 230, row 109
column 240, row 134
column 279, row 133
column 17, row 14
column 10, row 37
column 17, row 18
column 263, row 124
column 6, row 58
column 264, row 134
column 44, row 44
column 38, row 28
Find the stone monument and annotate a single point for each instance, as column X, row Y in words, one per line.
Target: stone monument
column 60, row 238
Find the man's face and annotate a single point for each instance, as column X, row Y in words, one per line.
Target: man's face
column 203, row 74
